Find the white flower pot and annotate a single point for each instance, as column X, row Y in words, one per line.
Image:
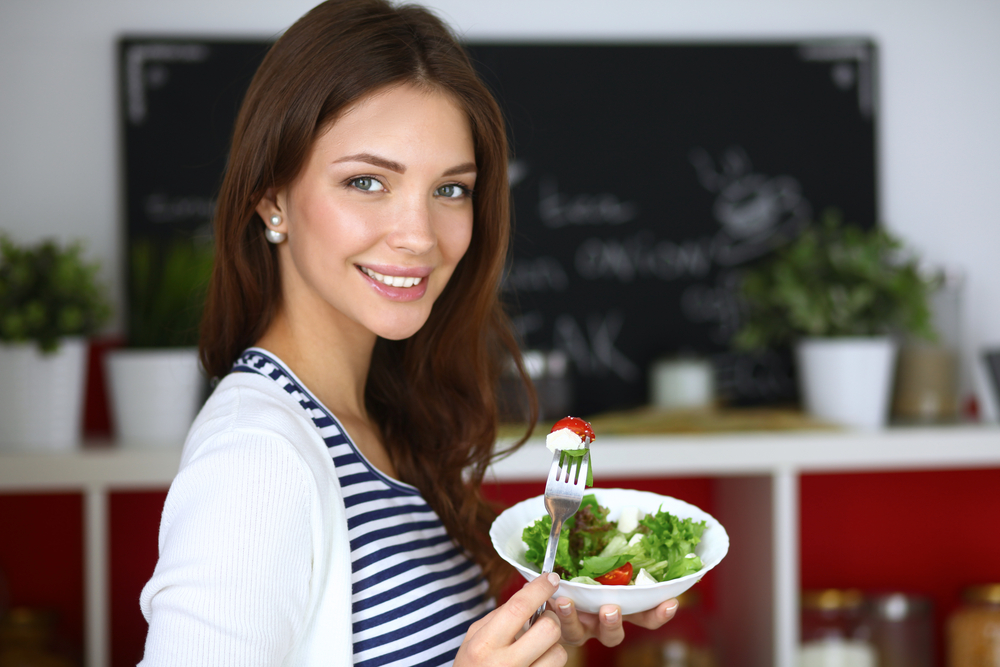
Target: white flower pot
column 41, row 396
column 155, row 395
column 847, row 381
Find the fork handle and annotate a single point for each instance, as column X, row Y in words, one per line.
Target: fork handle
column 550, row 561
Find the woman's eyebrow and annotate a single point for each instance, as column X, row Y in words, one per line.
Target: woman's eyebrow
column 392, row 165
column 467, row 168
column 375, row 160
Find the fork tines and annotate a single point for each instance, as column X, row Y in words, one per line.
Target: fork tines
column 570, row 468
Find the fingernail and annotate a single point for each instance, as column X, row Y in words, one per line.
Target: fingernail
column 565, row 609
column 553, row 578
column 611, row 617
column 671, row 608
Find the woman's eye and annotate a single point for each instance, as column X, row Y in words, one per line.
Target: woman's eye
column 367, row 184
column 452, row 191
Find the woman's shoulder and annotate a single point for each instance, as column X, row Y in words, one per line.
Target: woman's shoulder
column 250, row 410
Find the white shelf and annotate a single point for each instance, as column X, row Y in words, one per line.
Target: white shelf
column 619, row 457
column 757, row 500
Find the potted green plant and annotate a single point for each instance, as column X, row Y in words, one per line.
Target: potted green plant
column 155, row 381
column 50, row 302
column 841, row 296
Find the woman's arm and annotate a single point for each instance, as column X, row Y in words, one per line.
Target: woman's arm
column 232, row 585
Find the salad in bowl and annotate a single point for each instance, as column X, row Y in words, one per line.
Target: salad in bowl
column 631, row 548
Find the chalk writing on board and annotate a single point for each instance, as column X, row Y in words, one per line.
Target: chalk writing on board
column 642, row 254
column 557, row 209
column 537, row 274
column 161, row 208
column 592, row 346
column 590, row 341
column 718, row 305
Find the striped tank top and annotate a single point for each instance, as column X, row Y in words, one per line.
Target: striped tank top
column 414, row 592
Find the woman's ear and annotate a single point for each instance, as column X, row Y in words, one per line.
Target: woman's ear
column 270, row 209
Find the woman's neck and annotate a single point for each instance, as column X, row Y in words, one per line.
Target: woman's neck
column 332, row 361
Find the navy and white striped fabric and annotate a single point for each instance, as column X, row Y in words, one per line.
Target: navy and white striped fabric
column 414, row 592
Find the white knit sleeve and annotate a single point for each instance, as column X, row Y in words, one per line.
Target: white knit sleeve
column 232, row 583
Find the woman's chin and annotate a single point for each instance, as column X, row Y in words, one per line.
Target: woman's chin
column 399, row 330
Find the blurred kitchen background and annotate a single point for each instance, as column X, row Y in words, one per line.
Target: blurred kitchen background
column 624, row 282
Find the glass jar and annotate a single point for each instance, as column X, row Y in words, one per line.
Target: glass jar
column 927, row 373
column 902, row 630
column 974, row 629
column 835, row 630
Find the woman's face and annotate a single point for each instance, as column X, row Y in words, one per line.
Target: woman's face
column 380, row 214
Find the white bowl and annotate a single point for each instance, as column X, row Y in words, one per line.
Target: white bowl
column 506, row 536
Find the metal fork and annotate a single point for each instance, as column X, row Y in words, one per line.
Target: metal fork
column 563, row 493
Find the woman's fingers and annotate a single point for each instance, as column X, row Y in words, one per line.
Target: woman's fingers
column 653, row 618
column 609, row 627
column 538, row 642
column 578, row 626
column 477, row 625
column 606, row 626
column 574, row 631
column 512, row 616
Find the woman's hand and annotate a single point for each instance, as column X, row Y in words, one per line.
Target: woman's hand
column 606, row 625
column 496, row 639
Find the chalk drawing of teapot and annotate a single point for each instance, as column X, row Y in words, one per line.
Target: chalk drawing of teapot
column 756, row 212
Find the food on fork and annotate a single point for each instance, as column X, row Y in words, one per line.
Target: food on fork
column 568, row 434
column 572, row 436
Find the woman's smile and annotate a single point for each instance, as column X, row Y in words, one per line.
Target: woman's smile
column 397, row 283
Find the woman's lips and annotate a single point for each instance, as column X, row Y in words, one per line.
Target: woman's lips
column 397, row 283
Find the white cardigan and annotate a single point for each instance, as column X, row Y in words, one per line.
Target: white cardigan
column 255, row 563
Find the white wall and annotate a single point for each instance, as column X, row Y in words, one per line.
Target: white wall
column 939, row 88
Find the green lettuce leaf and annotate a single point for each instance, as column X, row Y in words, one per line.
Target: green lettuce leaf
column 536, row 536
column 669, row 538
column 595, row 566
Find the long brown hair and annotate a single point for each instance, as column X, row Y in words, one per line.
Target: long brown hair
column 433, row 394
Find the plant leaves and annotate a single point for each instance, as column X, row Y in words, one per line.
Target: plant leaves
column 834, row 280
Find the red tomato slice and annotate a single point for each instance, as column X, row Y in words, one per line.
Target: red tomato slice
column 618, row 577
column 577, row 425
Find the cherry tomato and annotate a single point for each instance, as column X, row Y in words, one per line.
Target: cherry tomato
column 577, row 425
column 617, row 577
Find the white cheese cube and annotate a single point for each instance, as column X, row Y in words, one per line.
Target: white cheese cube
column 644, row 578
column 563, row 439
column 629, row 519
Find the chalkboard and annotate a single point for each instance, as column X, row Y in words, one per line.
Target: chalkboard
column 644, row 176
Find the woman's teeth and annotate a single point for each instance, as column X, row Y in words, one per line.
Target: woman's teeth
column 393, row 281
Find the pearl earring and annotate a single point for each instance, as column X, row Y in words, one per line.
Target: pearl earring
column 272, row 235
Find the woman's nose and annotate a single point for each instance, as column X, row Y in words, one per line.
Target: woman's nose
column 412, row 228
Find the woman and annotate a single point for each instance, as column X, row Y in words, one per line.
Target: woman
column 355, row 292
